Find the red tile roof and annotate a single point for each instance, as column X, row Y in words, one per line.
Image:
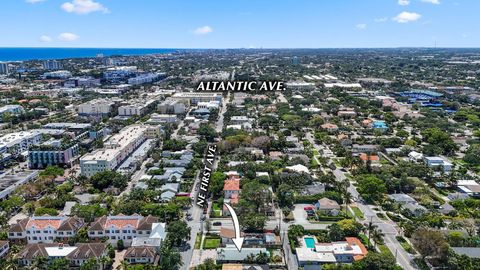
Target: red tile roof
column 231, row 185
column 355, row 241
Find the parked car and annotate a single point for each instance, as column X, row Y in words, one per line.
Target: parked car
column 217, row 223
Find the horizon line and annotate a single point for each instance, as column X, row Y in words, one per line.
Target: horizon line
column 243, row 48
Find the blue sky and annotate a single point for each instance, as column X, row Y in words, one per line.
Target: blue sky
column 239, row 23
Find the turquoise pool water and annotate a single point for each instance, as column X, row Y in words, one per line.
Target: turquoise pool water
column 309, row 242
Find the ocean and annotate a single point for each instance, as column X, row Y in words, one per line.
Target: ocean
column 23, row 54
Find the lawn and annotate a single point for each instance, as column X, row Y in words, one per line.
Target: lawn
column 197, row 241
column 216, row 211
column 408, row 248
column 384, row 250
column 357, row 212
column 381, row 216
column 211, row 243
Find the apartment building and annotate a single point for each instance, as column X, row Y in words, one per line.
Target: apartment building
column 171, row 107
column 96, row 107
column 52, row 153
column 121, row 227
column 17, row 142
column 136, row 107
column 44, row 229
column 116, row 149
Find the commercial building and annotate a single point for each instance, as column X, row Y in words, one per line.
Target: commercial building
column 300, row 86
column 146, row 78
column 195, row 97
column 97, row 107
column 117, row 149
column 156, row 118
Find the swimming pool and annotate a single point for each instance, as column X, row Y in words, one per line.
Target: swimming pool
column 309, row 242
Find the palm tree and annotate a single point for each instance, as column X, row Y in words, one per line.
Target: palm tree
column 347, row 199
column 377, row 236
column 370, row 228
column 262, row 258
column 39, row 263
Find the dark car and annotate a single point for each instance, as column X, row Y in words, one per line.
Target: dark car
column 217, row 223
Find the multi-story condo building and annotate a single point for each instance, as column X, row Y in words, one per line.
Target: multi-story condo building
column 170, row 106
column 97, row 107
column 125, row 228
column 52, row 65
column 18, row 142
column 44, row 229
column 53, row 153
column 4, row 68
column 12, row 109
column 116, row 149
column 137, row 107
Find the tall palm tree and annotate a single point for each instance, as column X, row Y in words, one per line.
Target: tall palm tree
column 347, row 199
column 370, row 228
column 377, row 236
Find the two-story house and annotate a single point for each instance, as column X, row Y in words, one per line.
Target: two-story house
column 44, row 229
column 121, row 227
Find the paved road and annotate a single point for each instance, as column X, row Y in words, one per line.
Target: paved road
column 219, row 124
column 196, row 224
column 387, row 227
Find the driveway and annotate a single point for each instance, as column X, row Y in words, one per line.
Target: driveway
column 300, row 215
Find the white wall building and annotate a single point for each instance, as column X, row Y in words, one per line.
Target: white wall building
column 96, row 107
column 117, row 149
column 17, row 142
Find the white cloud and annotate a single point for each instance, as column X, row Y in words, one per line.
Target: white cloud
column 361, row 26
column 203, row 30
column 406, row 17
column 83, row 7
column 45, row 38
column 383, row 19
column 34, row 1
column 435, row 2
column 67, row 37
column 403, row 2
